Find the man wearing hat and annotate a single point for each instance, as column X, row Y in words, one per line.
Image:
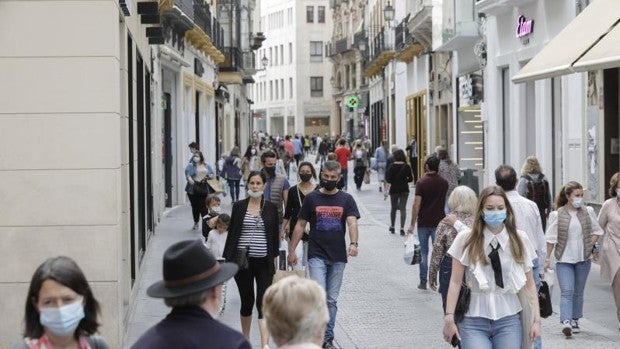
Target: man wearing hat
column 192, row 287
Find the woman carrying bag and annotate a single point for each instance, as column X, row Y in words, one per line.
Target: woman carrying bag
column 609, row 220
column 197, row 173
column 496, row 259
column 572, row 232
column 252, row 243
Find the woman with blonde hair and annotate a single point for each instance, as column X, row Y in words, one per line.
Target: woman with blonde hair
column 462, row 204
column 609, row 220
column 572, row 233
column 496, row 260
column 534, row 185
column 296, row 313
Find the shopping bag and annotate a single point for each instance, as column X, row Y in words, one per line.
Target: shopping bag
column 412, row 250
column 367, row 177
column 544, row 300
column 216, row 186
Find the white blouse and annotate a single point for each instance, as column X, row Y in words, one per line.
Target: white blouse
column 573, row 252
column 487, row 299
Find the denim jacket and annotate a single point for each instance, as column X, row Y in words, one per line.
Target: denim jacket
column 190, row 171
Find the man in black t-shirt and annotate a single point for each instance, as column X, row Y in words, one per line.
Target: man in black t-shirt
column 428, row 211
column 329, row 211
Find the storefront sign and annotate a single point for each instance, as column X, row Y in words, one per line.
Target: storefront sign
column 524, row 27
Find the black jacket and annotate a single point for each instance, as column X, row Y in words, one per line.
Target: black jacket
column 191, row 327
column 272, row 229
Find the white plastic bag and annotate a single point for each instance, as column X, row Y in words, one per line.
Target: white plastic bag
column 283, row 255
column 412, row 249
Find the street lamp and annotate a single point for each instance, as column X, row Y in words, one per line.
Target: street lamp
column 264, row 61
column 388, row 12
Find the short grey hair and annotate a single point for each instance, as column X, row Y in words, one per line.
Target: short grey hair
column 198, row 298
column 332, row 166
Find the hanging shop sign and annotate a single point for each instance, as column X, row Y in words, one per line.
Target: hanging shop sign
column 353, row 101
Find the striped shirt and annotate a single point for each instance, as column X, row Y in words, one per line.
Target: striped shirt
column 253, row 235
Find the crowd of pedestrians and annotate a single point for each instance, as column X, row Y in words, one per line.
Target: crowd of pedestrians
column 494, row 247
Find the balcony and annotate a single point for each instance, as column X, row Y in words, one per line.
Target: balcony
column 421, row 23
column 257, row 40
column 233, row 60
column 497, row 7
column 341, row 46
column 459, row 27
column 405, row 44
column 381, row 53
column 193, row 21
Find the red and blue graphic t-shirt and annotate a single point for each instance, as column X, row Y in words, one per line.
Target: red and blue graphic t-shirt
column 327, row 215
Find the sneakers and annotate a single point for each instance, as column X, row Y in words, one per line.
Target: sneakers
column 574, row 324
column 329, row 345
column 567, row 328
column 422, row 286
column 195, row 226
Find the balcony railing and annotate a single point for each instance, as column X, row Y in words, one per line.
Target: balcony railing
column 341, row 46
column 459, row 22
column 378, row 45
column 233, row 59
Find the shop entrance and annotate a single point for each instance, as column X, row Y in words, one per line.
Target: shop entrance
column 611, row 137
column 416, row 126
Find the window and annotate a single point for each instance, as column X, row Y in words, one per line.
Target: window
column 316, row 86
column 277, row 90
column 270, row 56
column 282, row 89
column 316, row 51
column 321, row 14
column 290, row 87
column 282, row 54
column 290, row 52
column 276, row 56
column 309, row 14
column 271, row 90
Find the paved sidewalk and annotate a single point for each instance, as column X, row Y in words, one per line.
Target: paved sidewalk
column 379, row 305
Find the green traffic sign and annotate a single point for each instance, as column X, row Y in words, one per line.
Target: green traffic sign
column 352, row 101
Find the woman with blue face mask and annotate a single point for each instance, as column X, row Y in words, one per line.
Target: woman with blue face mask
column 61, row 311
column 496, row 260
column 572, row 232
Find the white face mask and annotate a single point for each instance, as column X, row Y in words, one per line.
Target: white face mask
column 64, row 320
column 253, row 151
column 196, row 158
column 577, row 202
column 216, row 209
column 255, row 194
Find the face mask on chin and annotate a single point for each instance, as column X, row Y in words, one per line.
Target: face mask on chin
column 255, row 194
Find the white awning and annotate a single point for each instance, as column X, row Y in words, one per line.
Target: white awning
column 576, row 39
column 605, row 54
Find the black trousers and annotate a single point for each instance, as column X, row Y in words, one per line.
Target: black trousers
column 358, row 175
column 198, row 204
column 414, row 168
column 259, row 271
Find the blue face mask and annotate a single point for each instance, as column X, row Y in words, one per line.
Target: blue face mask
column 618, row 192
column 577, row 202
column 494, row 218
column 64, row 320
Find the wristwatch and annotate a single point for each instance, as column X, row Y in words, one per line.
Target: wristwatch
column 354, row 243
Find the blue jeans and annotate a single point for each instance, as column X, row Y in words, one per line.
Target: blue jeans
column 445, row 272
column 572, row 279
column 481, row 333
column 329, row 276
column 537, row 282
column 424, row 234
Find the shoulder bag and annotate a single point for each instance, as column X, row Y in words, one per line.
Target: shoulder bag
column 462, row 303
column 201, row 188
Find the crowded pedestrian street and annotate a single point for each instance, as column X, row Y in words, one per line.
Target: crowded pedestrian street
column 379, row 305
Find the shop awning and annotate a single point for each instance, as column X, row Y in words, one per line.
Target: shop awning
column 605, row 54
column 574, row 41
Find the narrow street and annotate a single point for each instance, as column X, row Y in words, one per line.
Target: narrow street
column 379, row 305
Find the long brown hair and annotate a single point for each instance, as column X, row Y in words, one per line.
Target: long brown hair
column 475, row 241
column 565, row 191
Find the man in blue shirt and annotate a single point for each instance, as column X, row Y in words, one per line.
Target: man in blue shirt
column 329, row 211
column 298, row 149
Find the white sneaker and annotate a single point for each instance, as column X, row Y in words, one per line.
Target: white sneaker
column 574, row 324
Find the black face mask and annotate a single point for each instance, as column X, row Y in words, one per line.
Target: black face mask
column 305, row 176
column 329, row 185
column 271, row 171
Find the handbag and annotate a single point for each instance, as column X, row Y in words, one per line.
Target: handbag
column 281, row 274
column 367, row 177
column 462, row 303
column 243, row 258
column 544, row 300
column 201, row 188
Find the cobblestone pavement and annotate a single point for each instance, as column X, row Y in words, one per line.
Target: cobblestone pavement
column 379, row 304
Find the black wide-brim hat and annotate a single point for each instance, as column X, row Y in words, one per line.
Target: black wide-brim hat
column 189, row 267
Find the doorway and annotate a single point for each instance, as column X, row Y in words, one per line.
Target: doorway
column 612, row 128
column 416, row 126
column 168, row 148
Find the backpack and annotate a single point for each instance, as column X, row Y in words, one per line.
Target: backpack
column 538, row 191
column 230, row 170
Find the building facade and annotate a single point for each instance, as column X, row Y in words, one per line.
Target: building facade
column 292, row 90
